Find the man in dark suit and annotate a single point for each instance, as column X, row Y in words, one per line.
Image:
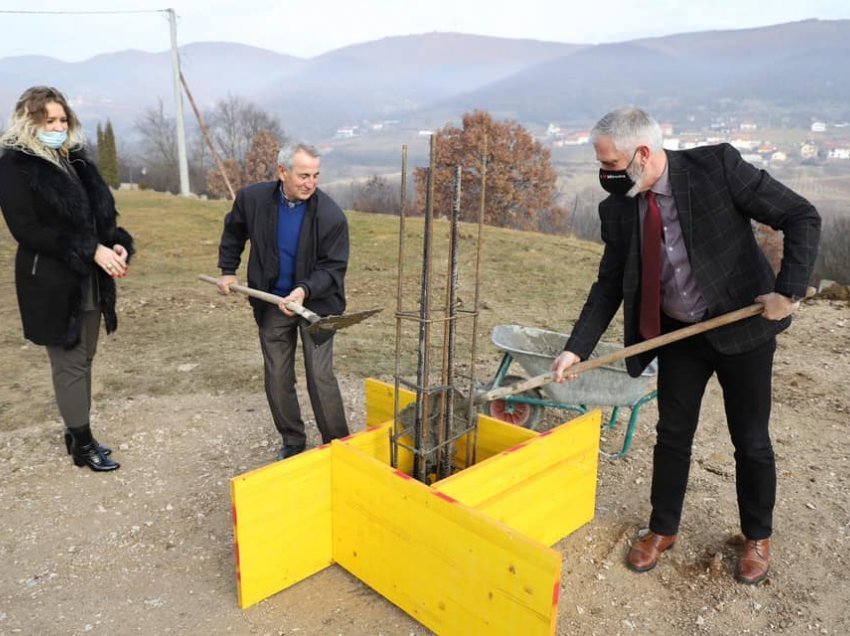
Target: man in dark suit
column 299, row 251
column 680, row 248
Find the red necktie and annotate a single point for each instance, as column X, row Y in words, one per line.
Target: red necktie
column 650, row 282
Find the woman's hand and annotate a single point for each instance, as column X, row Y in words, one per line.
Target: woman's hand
column 121, row 251
column 111, row 261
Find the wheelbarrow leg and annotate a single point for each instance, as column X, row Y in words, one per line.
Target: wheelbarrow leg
column 630, row 429
column 612, row 421
column 502, row 371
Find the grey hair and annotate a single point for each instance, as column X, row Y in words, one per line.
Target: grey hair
column 629, row 128
column 287, row 152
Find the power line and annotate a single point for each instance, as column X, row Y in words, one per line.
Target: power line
column 84, row 12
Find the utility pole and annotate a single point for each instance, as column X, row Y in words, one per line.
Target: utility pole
column 182, row 162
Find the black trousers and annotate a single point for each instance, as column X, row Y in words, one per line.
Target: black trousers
column 684, row 369
column 279, row 339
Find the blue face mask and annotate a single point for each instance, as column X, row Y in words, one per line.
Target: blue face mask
column 53, row 139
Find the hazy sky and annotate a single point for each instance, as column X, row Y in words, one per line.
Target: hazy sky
column 308, row 28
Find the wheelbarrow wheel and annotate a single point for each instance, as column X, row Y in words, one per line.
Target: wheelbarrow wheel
column 517, row 413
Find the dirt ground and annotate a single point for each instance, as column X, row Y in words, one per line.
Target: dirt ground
column 148, row 549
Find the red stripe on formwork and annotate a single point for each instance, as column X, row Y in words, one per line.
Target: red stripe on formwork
column 443, row 495
column 556, row 594
column 545, row 433
column 402, row 474
column 235, row 544
column 342, row 439
column 514, row 449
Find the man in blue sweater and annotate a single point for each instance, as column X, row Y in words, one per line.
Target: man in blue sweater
column 299, row 250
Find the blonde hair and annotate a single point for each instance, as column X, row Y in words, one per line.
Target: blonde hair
column 28, row 118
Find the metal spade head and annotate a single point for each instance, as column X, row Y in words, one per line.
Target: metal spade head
column 326, row 324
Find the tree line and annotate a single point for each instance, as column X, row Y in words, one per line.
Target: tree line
column 245, row 137
column 521, row 183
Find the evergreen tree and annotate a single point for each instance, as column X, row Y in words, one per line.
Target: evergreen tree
column 99, row 142
column 108, row 157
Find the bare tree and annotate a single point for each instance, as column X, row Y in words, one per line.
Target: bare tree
column 376, row 195
column 159, row 144
column 159, row 136
column 234, row 122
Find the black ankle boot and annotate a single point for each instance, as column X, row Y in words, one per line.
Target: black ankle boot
column 86, row 452
column 90, row 455
column 105, row 450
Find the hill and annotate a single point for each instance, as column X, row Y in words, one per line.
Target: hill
column 797, row 71
column 788, row 73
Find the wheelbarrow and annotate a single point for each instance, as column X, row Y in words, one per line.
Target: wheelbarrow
column 608, row 385
column 539, row 348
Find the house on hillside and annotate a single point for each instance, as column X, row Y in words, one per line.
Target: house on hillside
column 808, row 150
column 572, row 139
column 818, row 126
column 345, row 132
column 744, row 142
column 839, row 153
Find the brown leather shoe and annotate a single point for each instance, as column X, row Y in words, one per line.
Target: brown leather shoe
column 644, row 554
column 754, row 562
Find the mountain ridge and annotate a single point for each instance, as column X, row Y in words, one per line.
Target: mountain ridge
column 795, row 69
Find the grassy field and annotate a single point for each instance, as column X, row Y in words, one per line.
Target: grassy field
column 170, row 322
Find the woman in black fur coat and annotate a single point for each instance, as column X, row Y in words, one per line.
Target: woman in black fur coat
column 70, row 252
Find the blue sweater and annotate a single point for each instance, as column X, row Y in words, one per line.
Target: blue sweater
column 289, row 221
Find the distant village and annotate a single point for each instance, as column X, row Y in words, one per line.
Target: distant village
column 744, row 136
column 825, row 142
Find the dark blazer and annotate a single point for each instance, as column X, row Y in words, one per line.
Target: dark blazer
column 322, row 255
column 717, row 196
column 58, row 219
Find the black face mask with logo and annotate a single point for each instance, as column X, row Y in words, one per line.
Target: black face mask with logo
column 617, row 181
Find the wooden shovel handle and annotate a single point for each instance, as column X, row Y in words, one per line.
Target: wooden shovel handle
column 301, row 310
column 659, row 341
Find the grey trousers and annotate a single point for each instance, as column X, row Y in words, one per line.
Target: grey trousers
column 71, row 369
column 278, row 339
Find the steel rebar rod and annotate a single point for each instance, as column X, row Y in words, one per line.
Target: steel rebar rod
column 399, row 304
column 445, row 461
column 423, row 407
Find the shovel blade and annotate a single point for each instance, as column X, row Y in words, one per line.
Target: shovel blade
column 334, row 323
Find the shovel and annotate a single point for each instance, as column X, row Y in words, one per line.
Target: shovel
column 317, row 323
column 653, row 343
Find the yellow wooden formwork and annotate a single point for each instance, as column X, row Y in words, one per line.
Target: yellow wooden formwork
column 281, row 524
column 380, row 402
column 468, row 554
column 451, row 568
column 545, row 487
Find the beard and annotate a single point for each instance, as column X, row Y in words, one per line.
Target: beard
column 635, row 173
